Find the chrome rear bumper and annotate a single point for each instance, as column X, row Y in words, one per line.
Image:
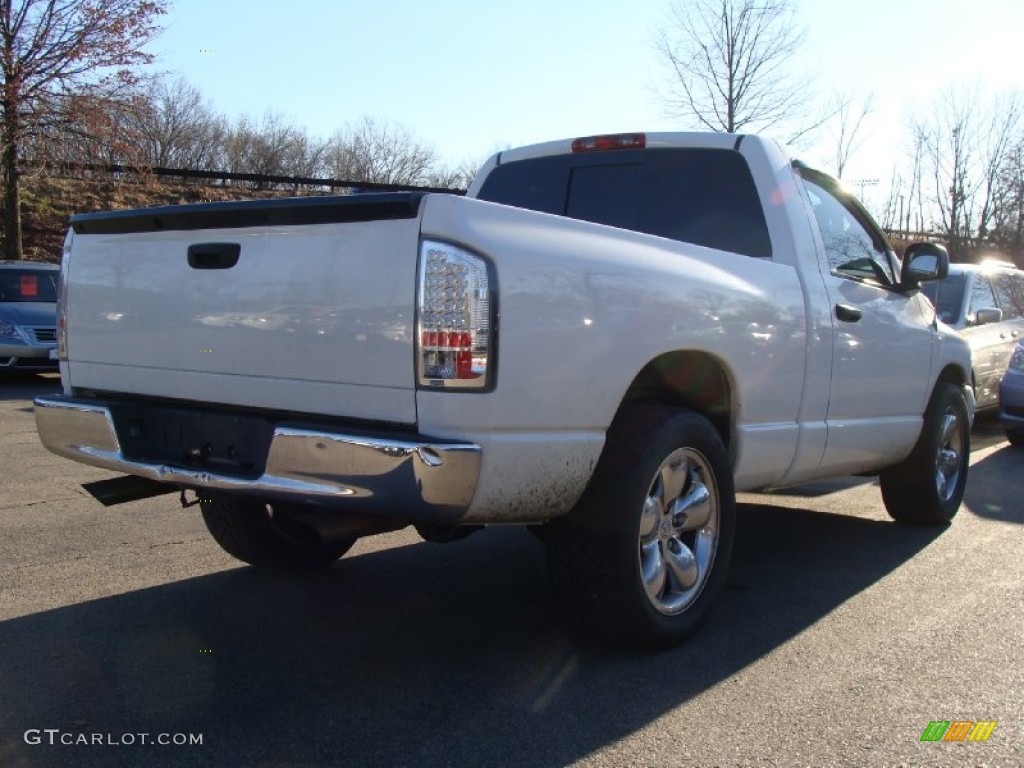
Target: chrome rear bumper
column 418, row 479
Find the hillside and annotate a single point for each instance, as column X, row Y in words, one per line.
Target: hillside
column 47, row 203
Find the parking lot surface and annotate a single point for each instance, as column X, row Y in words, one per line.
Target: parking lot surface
column 841, row 638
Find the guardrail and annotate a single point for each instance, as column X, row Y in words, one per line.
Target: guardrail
column 259, row 178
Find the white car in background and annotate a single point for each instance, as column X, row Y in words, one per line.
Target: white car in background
column 985, row 302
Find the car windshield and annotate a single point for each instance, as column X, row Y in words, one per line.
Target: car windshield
column 947, row 296
column 28, row 285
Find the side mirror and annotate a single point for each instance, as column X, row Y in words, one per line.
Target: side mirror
column 923, row 262
column 988, row 315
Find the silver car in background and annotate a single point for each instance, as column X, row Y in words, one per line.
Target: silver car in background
column 28, row 316
column 985, row 302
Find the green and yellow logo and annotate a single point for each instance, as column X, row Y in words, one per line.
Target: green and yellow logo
column 958, row 730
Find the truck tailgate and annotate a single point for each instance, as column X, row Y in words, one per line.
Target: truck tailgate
column 316, row 314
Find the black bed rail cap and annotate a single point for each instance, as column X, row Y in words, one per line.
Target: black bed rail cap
column 283, row 211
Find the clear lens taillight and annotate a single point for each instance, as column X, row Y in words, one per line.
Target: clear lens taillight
column 62, row 285
column 455, row 324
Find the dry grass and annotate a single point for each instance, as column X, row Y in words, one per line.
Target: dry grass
column 48, row 203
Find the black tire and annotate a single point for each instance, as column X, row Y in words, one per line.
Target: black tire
column 1015, row 437
column 445, row 534
column 262, row 534
column 927, row 487
column 598, row 553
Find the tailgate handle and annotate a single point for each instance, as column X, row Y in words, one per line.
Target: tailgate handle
column 213, row 255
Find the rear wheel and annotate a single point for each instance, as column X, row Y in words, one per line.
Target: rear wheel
column 644, row 554
column 1015, row 437
column 264, row 534
column 927, row 487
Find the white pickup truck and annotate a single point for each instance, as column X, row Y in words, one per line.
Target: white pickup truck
column 605, row 339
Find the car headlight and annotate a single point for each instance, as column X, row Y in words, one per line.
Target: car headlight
column 8, row 331
column 1017, row 361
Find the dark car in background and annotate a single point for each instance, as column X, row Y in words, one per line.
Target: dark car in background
column 1011, row 398
column 985, row 302
column 28, row 316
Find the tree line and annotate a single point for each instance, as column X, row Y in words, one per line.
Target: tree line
column 72, row 93
column 167, row 123
column 728, row 65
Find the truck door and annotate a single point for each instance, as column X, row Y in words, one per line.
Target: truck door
column 882, row 339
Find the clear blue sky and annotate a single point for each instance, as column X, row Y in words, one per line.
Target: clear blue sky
column 468, row 77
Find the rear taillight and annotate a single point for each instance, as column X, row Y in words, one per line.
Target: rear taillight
column 455, row 321
column 62, row 289
column 613, row 141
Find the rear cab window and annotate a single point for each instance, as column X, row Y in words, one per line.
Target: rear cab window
column 702, row 196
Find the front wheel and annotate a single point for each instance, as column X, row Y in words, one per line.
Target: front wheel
column 927, row 487
column 644, row 554
column 265, row 535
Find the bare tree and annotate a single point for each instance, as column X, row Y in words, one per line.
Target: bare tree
column 1008, row 226
column 268, row 147
column 965, row 140
column 915, row 189
column 175, row 127
column 728, row 64
column 379, row 153
column 306, row 156
column 1002, row 132
column 50, row 48
column 892, row 213
column 458, row 176
column 849, row 130
column 88, row 126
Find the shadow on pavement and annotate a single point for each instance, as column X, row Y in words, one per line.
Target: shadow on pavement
column 987, row 431
column 986, row 485
column 18, row 385
column 419, row 655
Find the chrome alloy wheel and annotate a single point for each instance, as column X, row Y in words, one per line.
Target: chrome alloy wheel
column 949, row 459
column 679, row 529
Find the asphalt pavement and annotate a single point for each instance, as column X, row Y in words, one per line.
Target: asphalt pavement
column 841, row 637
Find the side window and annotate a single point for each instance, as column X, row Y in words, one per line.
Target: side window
column 1010, row 293
column 982, row 296
column 851, row 248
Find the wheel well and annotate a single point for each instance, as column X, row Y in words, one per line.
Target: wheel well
column 693, row 380
column 954, row 375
